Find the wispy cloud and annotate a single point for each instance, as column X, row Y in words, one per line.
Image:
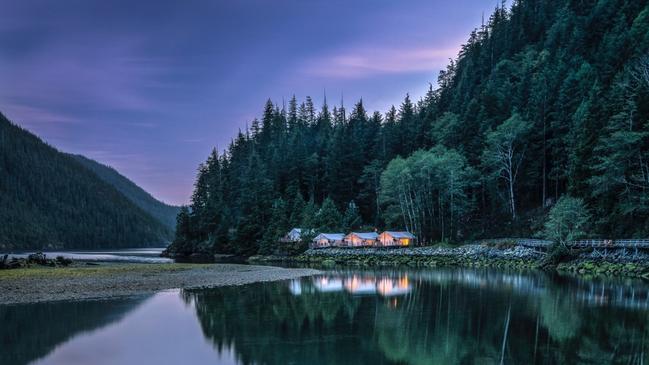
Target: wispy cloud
column 32, row 115
column 377, row 61
column 114, row 76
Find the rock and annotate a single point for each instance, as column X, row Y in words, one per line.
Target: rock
column 37, row 258
column 63, row 261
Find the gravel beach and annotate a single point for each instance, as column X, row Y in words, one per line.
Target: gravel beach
column 38, row 284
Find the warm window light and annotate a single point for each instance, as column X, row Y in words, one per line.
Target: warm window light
column 403, row 282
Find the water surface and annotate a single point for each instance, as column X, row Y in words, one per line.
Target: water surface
column 135, row 255
column 437, row 316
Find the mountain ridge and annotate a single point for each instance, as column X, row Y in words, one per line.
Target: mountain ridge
column 166, row 213
column 49, row 200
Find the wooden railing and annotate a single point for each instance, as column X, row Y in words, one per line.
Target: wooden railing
column 525, row 242
column 533, row 243
column 590, row 243
column 601, row 243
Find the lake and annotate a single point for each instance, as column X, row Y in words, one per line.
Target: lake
column 433, row 316
column 134, row 255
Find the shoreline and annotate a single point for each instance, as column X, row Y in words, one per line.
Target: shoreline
column 464, row 256
column 109, row 280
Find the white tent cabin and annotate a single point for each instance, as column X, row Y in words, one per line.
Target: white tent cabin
column 294, row 235
column 327, row 240
column 361, row 239
column 396, row 239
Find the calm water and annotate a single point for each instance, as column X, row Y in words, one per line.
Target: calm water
column 440, row 316
column 141, row 255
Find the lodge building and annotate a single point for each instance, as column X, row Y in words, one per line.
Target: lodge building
column 364, row 239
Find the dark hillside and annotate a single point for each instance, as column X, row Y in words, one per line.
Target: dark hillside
column 49, row 200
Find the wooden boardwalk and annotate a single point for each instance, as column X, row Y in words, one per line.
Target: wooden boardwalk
column 622, row 244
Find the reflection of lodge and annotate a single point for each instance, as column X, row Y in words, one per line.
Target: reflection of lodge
column 355, row 284
column 360, row 285
column 388, row 287
column 633, row 295
column 328, row 284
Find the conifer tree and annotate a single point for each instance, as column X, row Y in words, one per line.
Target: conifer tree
column 328, row 218
column 351, row 219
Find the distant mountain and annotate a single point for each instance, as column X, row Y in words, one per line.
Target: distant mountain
column 50, row 200
column 165, row 213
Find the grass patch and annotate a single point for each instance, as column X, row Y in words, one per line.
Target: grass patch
column 81, row 270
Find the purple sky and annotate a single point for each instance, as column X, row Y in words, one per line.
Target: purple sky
column 151, row 86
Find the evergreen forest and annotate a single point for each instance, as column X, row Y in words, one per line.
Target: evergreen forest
column 548, row 98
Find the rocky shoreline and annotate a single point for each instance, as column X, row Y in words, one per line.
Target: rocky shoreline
column 78, row 281
column 473, row 255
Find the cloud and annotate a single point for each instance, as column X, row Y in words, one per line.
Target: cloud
column 370, row 62
column 77, row 74
column 31, row 115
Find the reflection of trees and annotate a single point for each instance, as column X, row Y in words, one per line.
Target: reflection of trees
column 437, row 322
column 578, row 332
column 266, row 324
column 561, row 322
column 29, row 332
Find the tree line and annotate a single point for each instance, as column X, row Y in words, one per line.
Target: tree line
column 48, row 200
column 546, row 99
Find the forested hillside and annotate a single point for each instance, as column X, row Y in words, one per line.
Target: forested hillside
column 549, row 98
column 165, row 213
column 49, row 200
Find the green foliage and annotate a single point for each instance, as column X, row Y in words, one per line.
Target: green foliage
column 546, row 99
column 309, row 214
column 428, row 193
column 50, row 200
column 328, row 218
column 567, row 221
column 278, row 226
column 165, row 213
column 297, row 208
column 504, row 154
column 351, row 219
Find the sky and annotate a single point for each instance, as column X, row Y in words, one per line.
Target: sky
column 150, row 87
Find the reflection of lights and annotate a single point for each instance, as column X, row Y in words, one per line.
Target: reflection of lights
column 354, row 284
column 295, row 287
column 403, row 282
column 393, row 303
column 390, row 287
column 357, row 285
column 326, row 284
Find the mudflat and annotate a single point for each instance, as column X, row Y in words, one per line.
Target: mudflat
column 79, row 281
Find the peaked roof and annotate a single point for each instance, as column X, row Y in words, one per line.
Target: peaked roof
column 400, row 234
column 365, row 235
column 331, row 236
